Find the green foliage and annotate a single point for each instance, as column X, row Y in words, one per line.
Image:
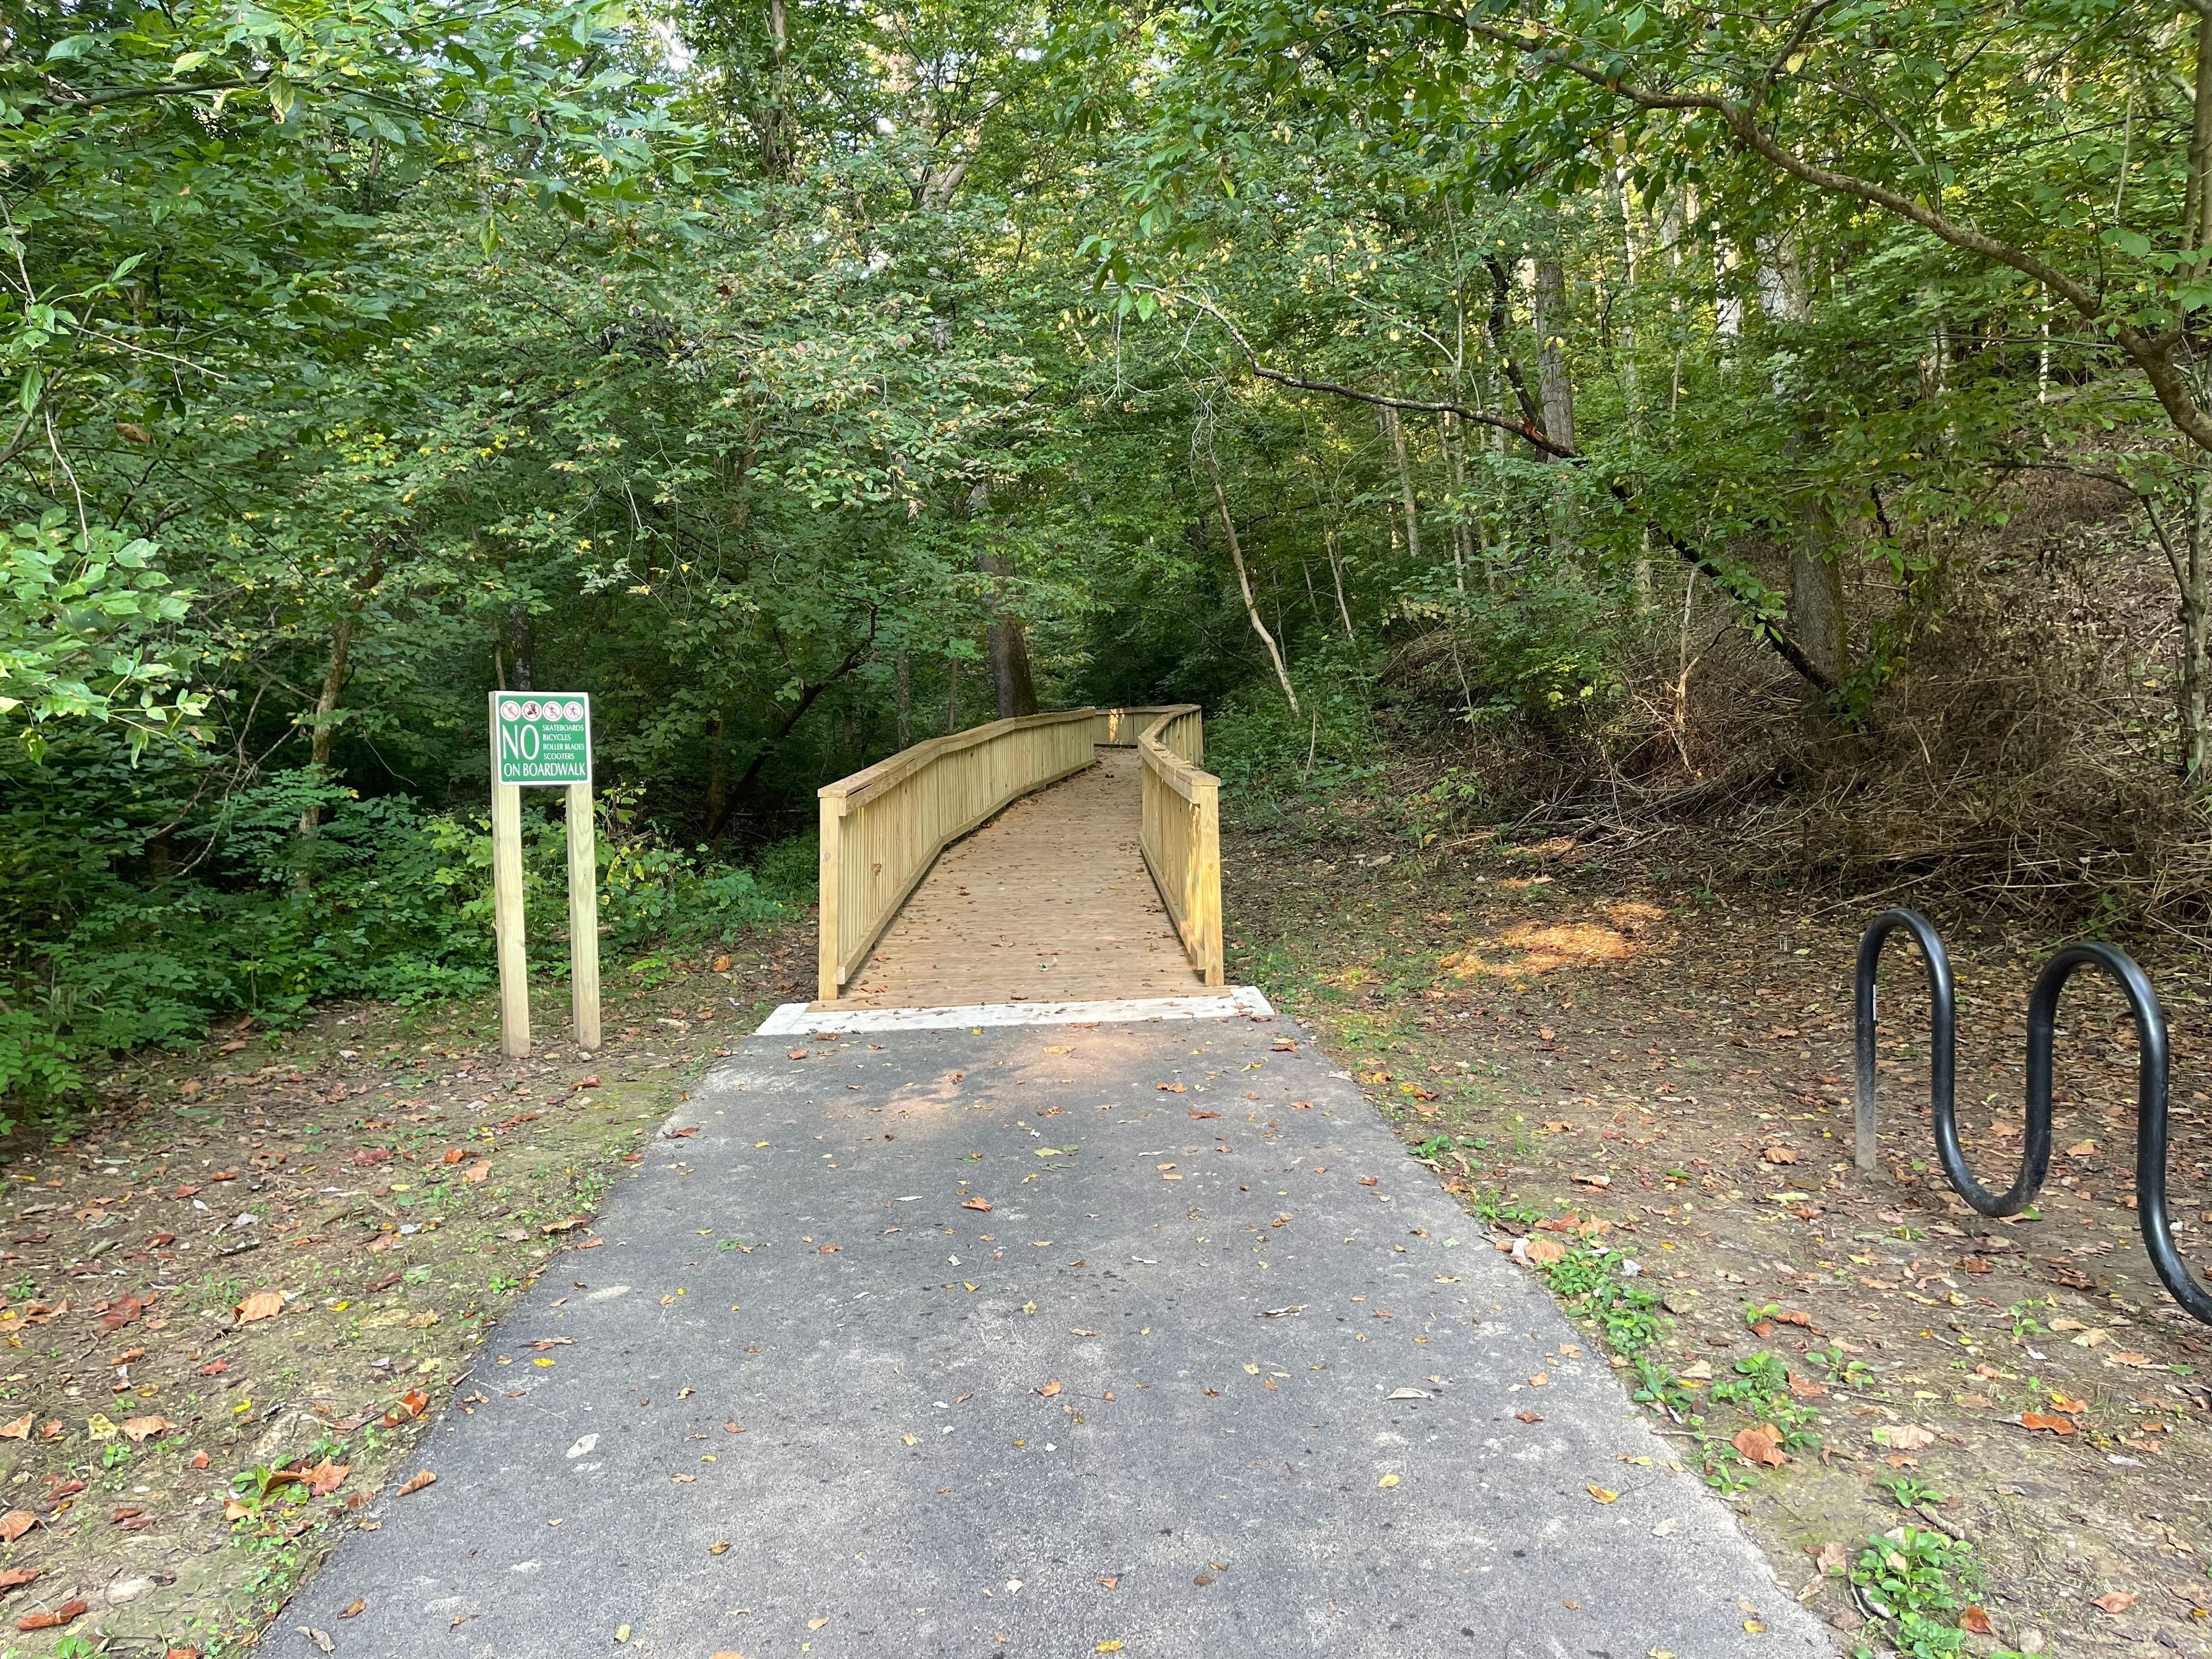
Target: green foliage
column 1915, row 1579
column 385, row 901
column 1260, row 749
column 80, row 613
column 1600, row 1284
column 1760, row 1390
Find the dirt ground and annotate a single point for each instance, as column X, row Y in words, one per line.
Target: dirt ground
column 1951, row 1435
column 238, row 1284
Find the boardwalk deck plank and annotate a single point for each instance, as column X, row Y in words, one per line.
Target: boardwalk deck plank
column 1049, row 901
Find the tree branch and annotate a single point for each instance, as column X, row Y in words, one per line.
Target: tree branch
column 1787, row 648
column 2153, row 352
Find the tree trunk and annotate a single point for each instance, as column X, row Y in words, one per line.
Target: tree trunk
column 952, row 696
column 902, row 685
column 325, row 724
column 718, row 774
column 1336, row 576
column 1009, row 652
column 525, row 647
column 1455, row 454
column 1244, row 586
column 1394, row 430
column 776, row 129
column 1816, row 606
column 1555, row 390
column 1817, row 616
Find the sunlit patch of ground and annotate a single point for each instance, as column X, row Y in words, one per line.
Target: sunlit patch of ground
column 1530, row 948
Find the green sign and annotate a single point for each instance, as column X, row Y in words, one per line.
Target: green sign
column 539, row 737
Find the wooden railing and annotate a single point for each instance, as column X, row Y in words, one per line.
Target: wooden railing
column 1181, row 835
column 1119, row 728
column 883, row 828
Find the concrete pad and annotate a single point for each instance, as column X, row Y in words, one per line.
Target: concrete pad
column 1229, row 1376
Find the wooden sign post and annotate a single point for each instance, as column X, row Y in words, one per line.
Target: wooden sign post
column 541, row 740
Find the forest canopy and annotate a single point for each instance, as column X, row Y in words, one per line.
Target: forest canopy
column 1791, row 422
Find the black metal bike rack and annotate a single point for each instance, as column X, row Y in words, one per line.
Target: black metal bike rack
column 2152, row 1068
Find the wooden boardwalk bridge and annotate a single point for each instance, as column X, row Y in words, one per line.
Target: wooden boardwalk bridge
column 1063, row 857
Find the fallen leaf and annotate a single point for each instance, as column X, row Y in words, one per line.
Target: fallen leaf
column 320, row 1638
column 2044, row 1420
column 2111, row 1601
column 1169, row 1088
column 1528, row 1417
column 261, row 1304
column 1388, row 1480
column 2059, row 1402
column 18, row 1428
column 17, row 1577
column 1905, row 1437
column 1603, row 1494
column 416, row 1482
column 354, row 1609
column 409, row 1406
column 1544, row 1251
column 326, row 1478
column 139, row 1429
column 1779, row 1154
column 1540, row 1380
column 72, row 1610
column 124, row 1312
column 1049, row 1388
column 815, row 1624
column 2081, row 1149
column 1976, row 1622
column 719, row 1546
column 982, row 1204
column 14, row 1524
column 1762, row 1445
column 474, row 1174
column 679, row 1134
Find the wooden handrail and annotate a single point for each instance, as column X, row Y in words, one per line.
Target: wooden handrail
column 1181, row 833
column 1119, row 728
column 883, row 826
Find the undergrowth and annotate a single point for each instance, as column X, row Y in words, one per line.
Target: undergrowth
column 249, row 916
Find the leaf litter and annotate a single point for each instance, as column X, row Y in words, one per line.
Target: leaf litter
column 1642, row 1081
column 371, row 1189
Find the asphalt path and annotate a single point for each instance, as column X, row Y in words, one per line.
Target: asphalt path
column 1219, row 1372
